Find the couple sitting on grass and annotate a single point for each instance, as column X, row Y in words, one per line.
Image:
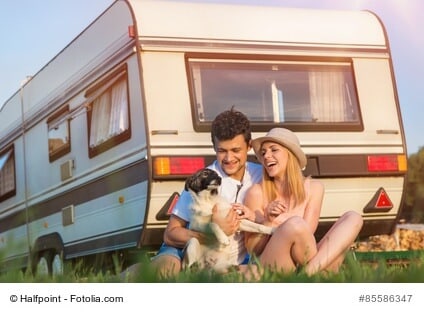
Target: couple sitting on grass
column 273, row 193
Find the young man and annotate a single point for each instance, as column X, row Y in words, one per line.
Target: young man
column 231, row 139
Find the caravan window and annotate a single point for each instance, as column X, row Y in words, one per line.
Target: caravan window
column 59, row 134
column 108, row 115
column 301, row 95
column 7, row 174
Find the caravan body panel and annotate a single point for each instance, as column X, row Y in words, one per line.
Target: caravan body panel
column 95, row 147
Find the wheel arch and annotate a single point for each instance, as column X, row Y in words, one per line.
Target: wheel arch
column 47, row 242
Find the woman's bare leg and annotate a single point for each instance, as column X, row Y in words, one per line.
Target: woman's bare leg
column 333, row 246
column 292, row 244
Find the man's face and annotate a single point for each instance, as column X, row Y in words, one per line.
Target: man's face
column 232, row 156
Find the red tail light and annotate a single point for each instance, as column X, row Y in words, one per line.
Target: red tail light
column 387, row 163
column 177, row 166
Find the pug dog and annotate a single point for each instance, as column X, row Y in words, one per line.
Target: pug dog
column 218, row 253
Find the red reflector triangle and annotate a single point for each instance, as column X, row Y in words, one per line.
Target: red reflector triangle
column 383, row 201
column 173, row 203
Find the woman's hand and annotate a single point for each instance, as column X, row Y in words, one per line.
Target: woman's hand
column 273, row 212
column 274, row 209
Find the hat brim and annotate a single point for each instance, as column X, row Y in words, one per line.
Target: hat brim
column 295, row 149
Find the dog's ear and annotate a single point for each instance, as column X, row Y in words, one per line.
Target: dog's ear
column 187, row 183
column 191, row 182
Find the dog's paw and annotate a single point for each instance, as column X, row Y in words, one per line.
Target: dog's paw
column 191, row 253
column 224, row 240
column 266, row 229
column 219, row 234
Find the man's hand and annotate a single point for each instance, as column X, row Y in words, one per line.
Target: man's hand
column 229, row 223
column 243, row 212
column 202, row 237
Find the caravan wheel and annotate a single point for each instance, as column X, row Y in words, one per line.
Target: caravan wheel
column 49, row 263
column 57, row 265
column 43, row 265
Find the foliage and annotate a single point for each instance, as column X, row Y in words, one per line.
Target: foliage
column 414, row 201
column 352, row 271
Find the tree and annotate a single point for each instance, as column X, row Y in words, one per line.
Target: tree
column 414, row 202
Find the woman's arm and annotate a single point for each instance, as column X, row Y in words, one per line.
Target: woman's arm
column 313, row 208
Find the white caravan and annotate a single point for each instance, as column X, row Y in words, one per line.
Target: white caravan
column 95, row 147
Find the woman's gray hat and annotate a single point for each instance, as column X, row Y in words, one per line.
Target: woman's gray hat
column 285, row 138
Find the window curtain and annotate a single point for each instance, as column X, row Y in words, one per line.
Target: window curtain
column 109, row 114
column 99, row 120
column 327, row 96
column 119, row 112
column 7, row 173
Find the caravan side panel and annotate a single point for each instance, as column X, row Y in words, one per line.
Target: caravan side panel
column 90, row 197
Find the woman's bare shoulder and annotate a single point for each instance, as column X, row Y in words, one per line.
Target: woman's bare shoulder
column 254, row 191
column 254, row 197
column 316, row 185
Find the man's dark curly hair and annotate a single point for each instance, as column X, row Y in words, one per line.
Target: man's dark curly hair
column 229, row 124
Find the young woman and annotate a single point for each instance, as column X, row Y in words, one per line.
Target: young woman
column 292, row 202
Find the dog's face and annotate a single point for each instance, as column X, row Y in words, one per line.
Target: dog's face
column 202, row 180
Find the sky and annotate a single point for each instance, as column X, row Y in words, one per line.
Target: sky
column 33, row 32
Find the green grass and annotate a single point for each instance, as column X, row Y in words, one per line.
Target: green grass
column 352, row 271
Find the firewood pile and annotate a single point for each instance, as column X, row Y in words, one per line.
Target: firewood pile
column 406, row 237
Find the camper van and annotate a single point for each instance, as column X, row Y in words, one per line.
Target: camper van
column 95, row 147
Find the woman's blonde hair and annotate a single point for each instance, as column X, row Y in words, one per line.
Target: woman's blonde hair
column 293, row 182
